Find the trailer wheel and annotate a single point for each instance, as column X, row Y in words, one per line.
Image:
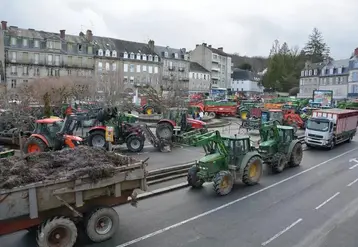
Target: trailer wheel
column 101, row 224
column 58, row 231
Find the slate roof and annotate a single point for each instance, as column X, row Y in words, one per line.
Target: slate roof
column 160, row 50
column 217, row 51
column 314, row 65
column 195, row 67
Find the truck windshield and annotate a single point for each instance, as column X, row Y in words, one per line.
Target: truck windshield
column 317, row 125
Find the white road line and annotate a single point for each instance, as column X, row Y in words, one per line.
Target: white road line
column 351, row 183
column 281, row 232
column 352, row 167
column 326, row 201
column 230, row 203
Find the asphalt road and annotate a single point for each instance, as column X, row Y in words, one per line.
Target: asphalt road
column 313, row 205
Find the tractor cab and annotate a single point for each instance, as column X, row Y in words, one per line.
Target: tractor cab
column 47, row 128
column 237, row 147
column 275, row 138
column 273, row 115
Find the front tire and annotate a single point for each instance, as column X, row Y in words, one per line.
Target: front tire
column 252, row 171
column 135, row 143
column 193, row 179
column 98, row 139
column 296, row 155
column 223, row 183
column 34, row 145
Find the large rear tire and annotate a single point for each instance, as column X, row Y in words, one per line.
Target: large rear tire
column 253, row 171
column 223, row 183
column 135, row 143
column 164, row 131
column 59, row 231
column 296, row 155
column 34, row 145
column 193, row 179
column 97, row 139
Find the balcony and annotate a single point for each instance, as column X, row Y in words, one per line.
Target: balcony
column 216, row 60
column 181, row 69
column 215, row 77
column 217, row 69
column 171, row 68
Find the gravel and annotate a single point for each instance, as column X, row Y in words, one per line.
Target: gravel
column 67, row 163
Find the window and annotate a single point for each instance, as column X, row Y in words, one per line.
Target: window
column 138, row 56
column 306, row 72
column 155, row 70
column 57, row 60
column 100, row 52
column 156, row 59
column 144, row 57
column 170, row 65
column 125, row 55
column 150, row 58
column 114, row 54
column 166, row 54
column 49, row 44
column 13, row 56
column 114, row 66
column 36, row 44
column 36, row 58
column 132, row 55
column 131, row 68
column 125, row 67
column 131, row 79
column 89, row 50
column 204, row 77
column 100, row 66
column 323, row 70
column 13, row 83
column 310, row 72
column 24, row 42
column 176, row 55
column 13, row 70
column 49, row 59
column 144, row 68
column 150, row 69
column 79, row 47
column 331, row 71
column 190, row 75
column 25, row 70
column 125, row 79
column 107, row 66
column 339, row 70
column 315, row 72
column 138, row 68
column 13, row 41
column 108, row 53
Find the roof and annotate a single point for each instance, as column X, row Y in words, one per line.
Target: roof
column 48, row 120
column 160, row 50
column 309, row 65
column 195, row 67
column 217, row 51
column 339, row 63
column 284, row 127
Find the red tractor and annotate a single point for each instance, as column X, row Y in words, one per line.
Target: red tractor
column 52, row 134
column 176, row 121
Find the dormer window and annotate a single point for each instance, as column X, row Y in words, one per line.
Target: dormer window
column 125, row 55
column 176, row 55
column 310, row 72
column 156, row 59
column 306, row 72
column 138, row 56
column 132, row 55
column 302, row 73
column 166, row 54
column 100, row 52
column 108, row 53
column 114, row 54
column 315, row 72
column 331, row 71
column 144, row 57
column 323, row 70
column 150, row 58
column 340, row 70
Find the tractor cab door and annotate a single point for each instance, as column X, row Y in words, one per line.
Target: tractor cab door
column 285, row 139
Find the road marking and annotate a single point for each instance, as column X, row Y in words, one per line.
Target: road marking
column 230, row 203
column 281, row 232
column 352, row 167
column 326, row 201
column 351, row 183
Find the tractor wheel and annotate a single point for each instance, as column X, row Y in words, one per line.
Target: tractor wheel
column 34, row 145
column 135, row 143
column 149, row 110
column 212, row 114
column 59, row 231
column 193, row 179
column 101, row 224
column 296, row 155
column 278, row 162
column 244, row 114
column 252, row 171
column 165, row 131
column 223, row 183
column 98, row 139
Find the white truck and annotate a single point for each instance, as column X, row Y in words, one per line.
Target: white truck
column 328, row 127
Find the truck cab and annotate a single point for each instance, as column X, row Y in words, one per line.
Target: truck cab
column 319, row 131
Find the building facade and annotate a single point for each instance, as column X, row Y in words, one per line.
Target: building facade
column 353, row 75
column 175, row 69
column 246, row 82
column 310, row 79
column 334, row 76
column 31, row 54
column 216, row 61
column 199, row 79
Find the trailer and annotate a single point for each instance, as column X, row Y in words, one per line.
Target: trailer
column 329, row 127
column 54, row 208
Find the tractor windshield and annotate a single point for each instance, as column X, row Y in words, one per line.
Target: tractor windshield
column 317, row 125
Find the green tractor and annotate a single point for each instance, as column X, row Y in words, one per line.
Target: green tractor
column 279, row 147
column 227, row 160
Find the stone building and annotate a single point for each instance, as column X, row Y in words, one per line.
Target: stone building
column 199, row 79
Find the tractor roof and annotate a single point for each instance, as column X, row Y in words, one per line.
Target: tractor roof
column 48, row 120
column 284, row 127
column 238, row 137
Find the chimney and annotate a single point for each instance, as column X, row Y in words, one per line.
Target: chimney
column 220, row 48
column 209, row 46
column 62, row 34
column 183, row 50
column 204, row 44
column 4, row 25
column 89, row 35
column 356, row 52
column 151, row 44
column 81, row 34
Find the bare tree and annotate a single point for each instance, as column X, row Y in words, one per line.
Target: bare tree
column 110, row 86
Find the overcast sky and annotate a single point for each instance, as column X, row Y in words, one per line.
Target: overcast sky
column 247, row 27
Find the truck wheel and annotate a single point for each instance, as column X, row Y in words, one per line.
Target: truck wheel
column 135, row 143
column 350, row 139
column 59, row 231
column 34, row 145
column 278, row 162
column 223, row 183
column 101, row 224
column 252, row 171
column 97, row 139
column 296, row 155
column 193, row 179
column 212, row 114
column 331, row 145
column 165, row 131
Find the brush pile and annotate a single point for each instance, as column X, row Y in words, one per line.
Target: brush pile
column 67, row 163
